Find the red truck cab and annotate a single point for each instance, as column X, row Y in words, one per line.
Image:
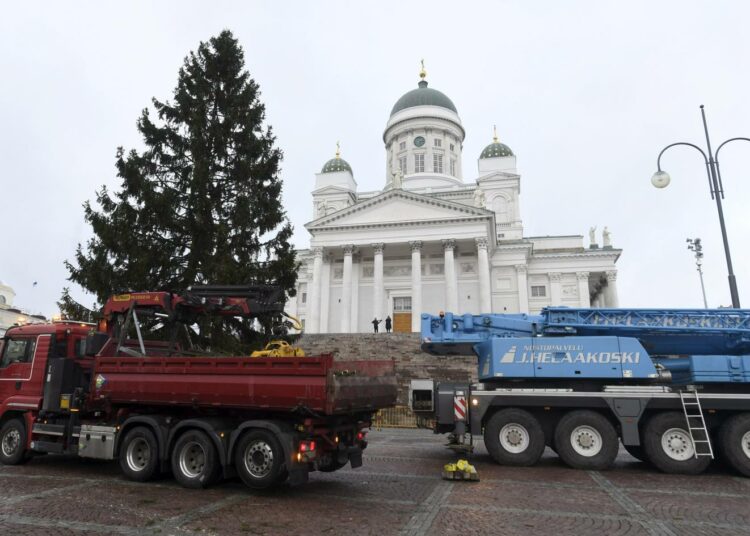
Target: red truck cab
column 24, row 353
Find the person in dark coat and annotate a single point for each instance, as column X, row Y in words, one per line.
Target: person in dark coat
column 375, row 324
column 388, row 324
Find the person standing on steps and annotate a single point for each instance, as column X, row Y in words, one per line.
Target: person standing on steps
column 388, row 324
column 375, row 324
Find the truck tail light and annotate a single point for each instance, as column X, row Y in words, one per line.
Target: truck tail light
column 361, row 435
column 306, row 451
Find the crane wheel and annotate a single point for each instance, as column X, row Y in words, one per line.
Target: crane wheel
column 514, row 437
column 195, row 461
column 13, row 442
column 667, row 444
column 734, row 442
column 586, row 440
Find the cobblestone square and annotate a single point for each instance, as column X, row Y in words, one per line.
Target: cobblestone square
column 398, row 491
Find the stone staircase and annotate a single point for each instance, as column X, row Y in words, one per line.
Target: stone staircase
column 411, row 362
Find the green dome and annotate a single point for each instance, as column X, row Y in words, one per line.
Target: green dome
column 423, row 96
column 495, row 150
column 336, row 164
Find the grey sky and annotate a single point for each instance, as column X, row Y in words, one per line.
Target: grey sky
column 586, row 94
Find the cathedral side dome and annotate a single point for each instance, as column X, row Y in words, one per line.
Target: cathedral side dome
column 496, row 149
column 336, row 163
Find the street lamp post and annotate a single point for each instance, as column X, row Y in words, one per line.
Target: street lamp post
column 661, row 179
column 694, row 245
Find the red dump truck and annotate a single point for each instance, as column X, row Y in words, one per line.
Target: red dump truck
column 157, row 404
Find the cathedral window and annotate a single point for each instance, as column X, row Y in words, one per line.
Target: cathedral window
column 437, row 163
column 438, row 142
column 402, row 164
column 418, row 163
column 538, row 291
column 402, row 146
column 453, row 148
column 401, row 304
column 453, row 167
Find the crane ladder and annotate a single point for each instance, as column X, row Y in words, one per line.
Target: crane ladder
column 696, row 424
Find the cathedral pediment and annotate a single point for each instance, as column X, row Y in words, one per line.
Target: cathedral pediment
column 398, row 206
column 498, row 175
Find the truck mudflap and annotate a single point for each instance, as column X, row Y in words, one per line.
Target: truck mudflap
column 361, row 386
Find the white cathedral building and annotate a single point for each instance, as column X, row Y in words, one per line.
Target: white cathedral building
column 430, row 241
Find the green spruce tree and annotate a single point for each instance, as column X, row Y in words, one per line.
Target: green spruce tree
column 70, row 309
column 202, row 203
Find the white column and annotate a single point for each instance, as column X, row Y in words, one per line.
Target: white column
column 325, row 295
column 485, row 293
column 610, row 291
column 555, row 288
column 346, row 290
column 356, row 267
column 312, row 322
column 451, row 288
column 584, row 300
column 377, row 281
column 416, row 285
column 523, row 288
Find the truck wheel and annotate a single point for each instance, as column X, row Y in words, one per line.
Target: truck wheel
column 195, row 462
column 734, row 442
column 514, row 437
column 139, row 454
column 13, row 442
column 259, row 459
column 666, row 442
column 586, row 440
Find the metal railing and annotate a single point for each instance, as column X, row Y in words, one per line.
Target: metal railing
column 399, row 417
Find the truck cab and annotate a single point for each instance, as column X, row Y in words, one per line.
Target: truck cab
column 24, row 355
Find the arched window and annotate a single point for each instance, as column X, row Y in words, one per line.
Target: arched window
column 2, row 300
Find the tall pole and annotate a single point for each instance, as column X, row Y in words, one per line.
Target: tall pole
column 703, row 288
column 694, row 245
column 718, row 193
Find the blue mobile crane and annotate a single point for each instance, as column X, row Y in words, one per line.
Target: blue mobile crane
column 670, row 384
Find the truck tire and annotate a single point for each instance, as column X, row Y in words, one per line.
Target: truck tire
column 259, row 459
column 514, row 437
column 666, row 442
column 734, row 442
column 13, row 442
column 139, row 454
column 195, row 462
column 586, row 440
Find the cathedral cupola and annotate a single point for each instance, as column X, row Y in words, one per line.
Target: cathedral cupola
column 423, row 140
column 496, row 149
column 336, row 163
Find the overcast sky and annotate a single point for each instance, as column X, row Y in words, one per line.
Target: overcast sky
column 586, row 93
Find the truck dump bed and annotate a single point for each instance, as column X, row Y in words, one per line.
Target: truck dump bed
column 316, row 383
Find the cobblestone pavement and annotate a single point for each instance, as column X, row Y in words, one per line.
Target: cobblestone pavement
column 398, row 491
